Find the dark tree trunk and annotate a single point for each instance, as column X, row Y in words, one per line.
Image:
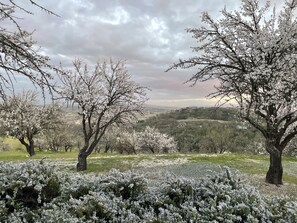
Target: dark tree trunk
column 275, row 171
column 152, row 150
column 86, row 150
column 29, row 146
column 82, row 161
column 106, row 149
column 31, row 149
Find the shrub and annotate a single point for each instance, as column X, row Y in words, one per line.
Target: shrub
column 27, row 186
column 225, row 197
column 127, row 185
column 37, row 192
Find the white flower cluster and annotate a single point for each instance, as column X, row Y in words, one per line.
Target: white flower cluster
column 27, row 195
column 151, row 140
column 148, row 141
column 23, row 118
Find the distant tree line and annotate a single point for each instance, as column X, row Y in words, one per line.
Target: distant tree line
column 207, row 130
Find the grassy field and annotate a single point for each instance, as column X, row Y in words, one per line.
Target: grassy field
column 254, row 167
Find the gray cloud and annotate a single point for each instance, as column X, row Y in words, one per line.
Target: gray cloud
column 150, row 34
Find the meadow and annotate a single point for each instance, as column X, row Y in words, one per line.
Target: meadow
column 154, row 166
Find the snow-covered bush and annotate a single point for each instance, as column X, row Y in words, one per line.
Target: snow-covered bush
column 282, row 210
column 26, row 186
column 38, row 192
column 224, row 197
column 126, row 185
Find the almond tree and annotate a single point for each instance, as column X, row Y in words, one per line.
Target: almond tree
column 253, row 55
column 126, row 142
column 23, row 119
column 151, row 140
column 106, row 96
column 19, row 55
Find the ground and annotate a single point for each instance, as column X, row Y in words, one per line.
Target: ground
column 155, row 167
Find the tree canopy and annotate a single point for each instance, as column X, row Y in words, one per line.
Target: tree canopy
column 23, row 118
column 19, row 54
column 253, row 53
column 105, row 95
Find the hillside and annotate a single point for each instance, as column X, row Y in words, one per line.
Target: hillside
column 206, row 130
column 213, row 113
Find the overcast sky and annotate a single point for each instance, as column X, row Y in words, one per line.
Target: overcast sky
column 149, row 34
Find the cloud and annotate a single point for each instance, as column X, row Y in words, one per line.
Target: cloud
column 116, row 16
column 150, row 34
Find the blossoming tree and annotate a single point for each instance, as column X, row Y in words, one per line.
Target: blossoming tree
column 126, row 142
column 151, row 140
column 23, row 119
column 252, row 52
column 106, row 96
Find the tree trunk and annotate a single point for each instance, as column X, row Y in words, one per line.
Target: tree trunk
column 86, row 150
column 29, row 146
column 107, row 147
column 152, row 149
column 275, row 171
column 82, row 161
column 31, row 149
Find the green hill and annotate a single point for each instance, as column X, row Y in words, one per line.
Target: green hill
column 206, row 130
column 214, row 113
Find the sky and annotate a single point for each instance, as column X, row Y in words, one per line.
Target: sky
column 149, row 34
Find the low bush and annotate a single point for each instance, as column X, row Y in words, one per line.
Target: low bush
column 38, row 192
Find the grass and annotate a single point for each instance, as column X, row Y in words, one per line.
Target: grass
column 98, row 162
column 13, row 143
column 192, row 165
column 22, row 155
column 252, row 164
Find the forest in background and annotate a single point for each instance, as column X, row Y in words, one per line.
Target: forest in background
column 194, row 129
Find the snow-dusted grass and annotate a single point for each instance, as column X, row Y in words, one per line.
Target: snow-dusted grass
column 190, row 165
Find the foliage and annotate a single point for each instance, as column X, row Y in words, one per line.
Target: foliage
column 105, row 96
column 127, row 197
column 213, row 113
column 109, row 140
column 27, row 186
column 128, row 141
column 207, row 130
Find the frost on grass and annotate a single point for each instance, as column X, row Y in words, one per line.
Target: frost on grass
column 38, row 192
column 161, row 162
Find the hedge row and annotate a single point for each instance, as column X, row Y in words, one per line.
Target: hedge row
column 37, row 192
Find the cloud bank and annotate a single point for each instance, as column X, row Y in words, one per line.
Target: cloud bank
column 149, row 34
